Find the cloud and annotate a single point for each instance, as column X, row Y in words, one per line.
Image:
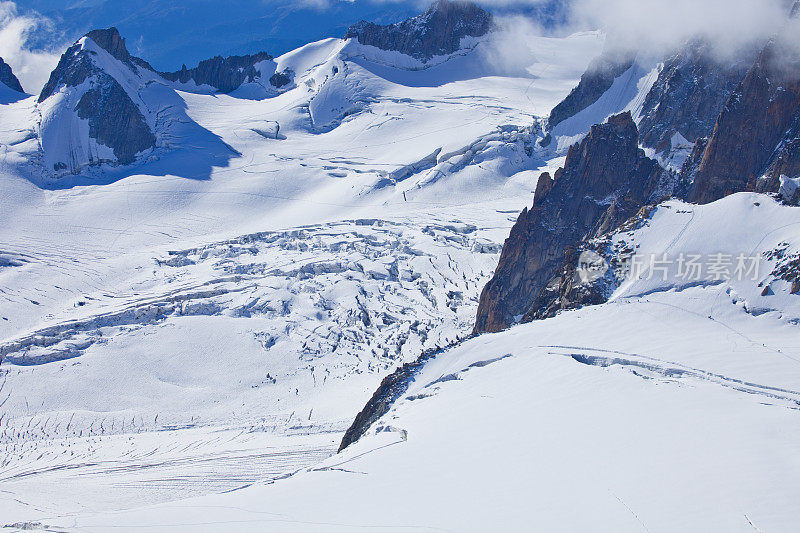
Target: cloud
column 32, row 67
column 656, row 25
column 659, row 25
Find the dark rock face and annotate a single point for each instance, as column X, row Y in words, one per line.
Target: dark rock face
column 390, row 390
column 755, row 132
column 605, row 181
column 281, row 79
column 73, row 68
column 573, row 286
column 786, row 160
column 438, row 31
column 114, row 119
column 112, row 42
column 565, row 291
column 225, row 74
column 597, row 79
column 688, row 96
column 8, row 78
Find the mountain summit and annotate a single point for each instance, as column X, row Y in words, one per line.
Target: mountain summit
column 97, row 81
column 438, row 31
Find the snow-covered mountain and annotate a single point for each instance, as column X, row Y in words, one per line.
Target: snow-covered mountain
column 716, row 127
column 168, row 33
column 171, row 32
column 213, row 279
column 91, row 107
column 103, row 107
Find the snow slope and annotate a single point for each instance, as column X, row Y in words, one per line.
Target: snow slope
column 627, row 93
column 668, row 409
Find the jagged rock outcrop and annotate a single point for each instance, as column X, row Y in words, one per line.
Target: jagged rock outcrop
column 391, row 388
column 565, row 291
column 590, row 272
column 281, row 79
column 436, row 32
column 737, row 124
column 789, row 190
column 8, row 78
column 756, row 132
column 225, row 74
column 597, row 79
column 96, row 80
column 605, row 181
column 786, row 160
column 688, row 96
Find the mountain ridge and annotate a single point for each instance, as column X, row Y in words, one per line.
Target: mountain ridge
column 438, row 31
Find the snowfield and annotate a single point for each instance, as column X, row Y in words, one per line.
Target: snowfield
column 674, row 409
column 183, row 341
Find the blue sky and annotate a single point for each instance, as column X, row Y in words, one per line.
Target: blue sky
column 169, row 33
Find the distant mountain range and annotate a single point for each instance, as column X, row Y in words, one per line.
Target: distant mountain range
column 170, row 33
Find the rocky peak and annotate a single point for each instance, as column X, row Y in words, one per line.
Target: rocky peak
column 73, row 68
column 111, row 106
column 8, row 78
column 606, row 180
column 438, row 31
column 112, row 42
column 225, row 74
column 756, row 132
column 76, row 64
column 688, row 96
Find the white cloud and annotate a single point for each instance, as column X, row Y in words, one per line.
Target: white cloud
column 659, row 25
column 32, row 67
column 656, row 25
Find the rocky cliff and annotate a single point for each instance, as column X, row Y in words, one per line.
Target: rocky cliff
column 756, row 132
column 97, row 81
column 224, row 74
column 688, row 96
column 680, row 107
column 8, row 78
column 605, row 181
column 438, row 31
